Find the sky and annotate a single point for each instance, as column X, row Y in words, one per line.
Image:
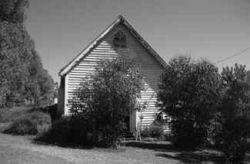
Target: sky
column 215, row 30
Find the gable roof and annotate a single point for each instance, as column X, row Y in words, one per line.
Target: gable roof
column 120, row 20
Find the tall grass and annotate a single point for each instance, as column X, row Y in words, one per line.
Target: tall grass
column 26, row 121
column 12, row 114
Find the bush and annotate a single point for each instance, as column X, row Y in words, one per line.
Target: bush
column 153, row 131
column 52, row 110
column 108, row 97
column 11, row 114
column 232, row 139
column 69, row 131
column 30, row 123
column 232, row 125
column 22, row 126
column 186, row 136
column 188, row 94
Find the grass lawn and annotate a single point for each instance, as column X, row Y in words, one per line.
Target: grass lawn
column 22, row 150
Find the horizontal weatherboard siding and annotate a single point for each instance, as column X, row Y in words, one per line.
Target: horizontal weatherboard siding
column 104, row 50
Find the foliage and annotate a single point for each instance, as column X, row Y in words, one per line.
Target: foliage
column 11, row 114
column 156, row 129
column 52, row 110
column 231, row 139
column 108, row 97
column 69, row 131
column 189, row 92
column 30, row 123
column 232, row 124
column 22, row 127
column 13, row 10
column 22, row 78
column 153, row 131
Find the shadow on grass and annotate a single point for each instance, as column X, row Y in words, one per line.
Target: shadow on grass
column 163, row 149
column 74, row 146
column 167, row 150
column 163, row 146
column 39, row 141
column 194, row 157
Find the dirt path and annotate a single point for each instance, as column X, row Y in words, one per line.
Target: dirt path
column 21, row 150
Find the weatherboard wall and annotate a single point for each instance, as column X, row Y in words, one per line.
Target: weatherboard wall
column 104, row 50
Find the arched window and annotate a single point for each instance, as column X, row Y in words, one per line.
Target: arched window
column 120, row 40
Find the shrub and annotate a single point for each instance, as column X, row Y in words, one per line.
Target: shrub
column 186, row 136
column 153, row 131
column 11, row 114
column 22, row 126
column 232, row 139
column 108, row 97
column 41, row 120
column 52, row 110
column 232, row 126
column 188, row 94
column 69, row 131
column 30, row 123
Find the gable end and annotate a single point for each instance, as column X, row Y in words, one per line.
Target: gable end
column 93, row 44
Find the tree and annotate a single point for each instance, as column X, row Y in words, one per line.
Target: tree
column 188, row 94
column 13, row 10
column 23, row 78
column 232, row 125
column 108, row 97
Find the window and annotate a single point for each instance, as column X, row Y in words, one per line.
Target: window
column 119, row 40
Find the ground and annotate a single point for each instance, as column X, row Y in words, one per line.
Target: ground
column 22, row 150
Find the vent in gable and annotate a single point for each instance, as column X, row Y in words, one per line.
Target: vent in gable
column 120, row 40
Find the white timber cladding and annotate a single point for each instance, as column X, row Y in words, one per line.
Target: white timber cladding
column 66, row 96
column 104, row 50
